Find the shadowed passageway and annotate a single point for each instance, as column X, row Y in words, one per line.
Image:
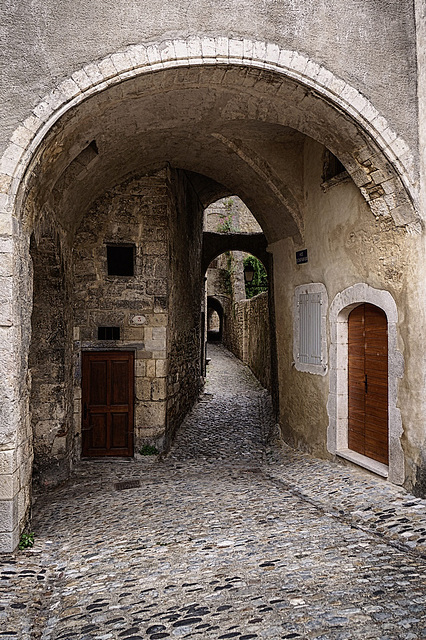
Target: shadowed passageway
column 225, row 538
column 232, row 421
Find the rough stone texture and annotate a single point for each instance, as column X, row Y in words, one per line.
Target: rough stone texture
column 235, row 95
column 258, row 337
column 246, row 329
column 185, row 342
column 50, row 363
column 136, row 212
column 269, row 93
column 225, row 538
column 16, row 452
column 156, row 214
column 230, row 214
column 248, row 335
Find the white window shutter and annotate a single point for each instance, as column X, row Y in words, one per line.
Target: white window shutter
column 310, row 328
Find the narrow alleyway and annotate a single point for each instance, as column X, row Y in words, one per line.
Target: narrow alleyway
column 227, row 537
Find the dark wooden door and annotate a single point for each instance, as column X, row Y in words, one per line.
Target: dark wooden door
column 107, row 403
column 368, row 382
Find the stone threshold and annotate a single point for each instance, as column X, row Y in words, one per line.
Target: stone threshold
column 362, row 461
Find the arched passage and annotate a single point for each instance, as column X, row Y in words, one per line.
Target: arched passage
column 249, row 115
column 214, row 319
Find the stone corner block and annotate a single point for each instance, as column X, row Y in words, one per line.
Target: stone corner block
column 9, row 540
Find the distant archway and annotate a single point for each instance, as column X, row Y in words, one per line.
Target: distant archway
column 214, row 319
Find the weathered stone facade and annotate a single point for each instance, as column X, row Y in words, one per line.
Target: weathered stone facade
column 136, row 213
column 244, row 100
column 185, row 343
column 248, row 336
column 156, row 310
column 51, row 363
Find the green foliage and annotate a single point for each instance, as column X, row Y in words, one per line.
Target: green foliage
column 26, row 541
column 260, row 278
column 148, row 450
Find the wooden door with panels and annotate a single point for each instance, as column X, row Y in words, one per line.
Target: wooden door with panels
column 107, row 403
column 368, row 382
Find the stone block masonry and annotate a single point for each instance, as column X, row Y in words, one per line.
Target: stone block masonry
column 134, row 214
column 72, row 129
column 156, row 311
column 186, row 225
column 247, row 335
column 50, row 362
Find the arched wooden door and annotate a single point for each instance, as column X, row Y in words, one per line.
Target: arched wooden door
column 368, row 382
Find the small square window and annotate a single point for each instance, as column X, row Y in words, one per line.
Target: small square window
column 108, row 333
column 120, row 259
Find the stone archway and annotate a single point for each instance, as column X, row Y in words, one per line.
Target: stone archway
column 214, row 319
column 222, row 51
column 258, row 89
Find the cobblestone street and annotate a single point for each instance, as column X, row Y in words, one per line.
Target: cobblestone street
column 227, row 537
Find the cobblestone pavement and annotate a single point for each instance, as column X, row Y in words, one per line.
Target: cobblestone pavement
column 224, row 538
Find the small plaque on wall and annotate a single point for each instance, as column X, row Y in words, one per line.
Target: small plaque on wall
column 301, row 256
column 137, row 321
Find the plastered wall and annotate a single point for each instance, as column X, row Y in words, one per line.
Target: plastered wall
column 347, row 245
column 370, row 44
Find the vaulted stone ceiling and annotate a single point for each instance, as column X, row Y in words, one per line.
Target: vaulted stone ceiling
column 241, row 131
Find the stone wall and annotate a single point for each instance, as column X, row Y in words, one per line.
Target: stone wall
column 50, row 363
column 155, row 214
column 372, row 49
column 246, row 329
column 230, row 214
column 247, row 334
column 244, row 83
column 137, row 213
column 185, row 348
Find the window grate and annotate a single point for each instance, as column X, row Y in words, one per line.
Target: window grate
column 108, row 333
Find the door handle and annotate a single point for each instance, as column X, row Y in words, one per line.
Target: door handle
column 366, row 383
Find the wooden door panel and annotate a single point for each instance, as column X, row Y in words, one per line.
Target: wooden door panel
column 119, row 430
column 98, row 430
column 356, row 399
column 97, row 389
column 374, row 449
column 368, row 382
column 375, row 412
column 119, row 383
column 108, row 397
